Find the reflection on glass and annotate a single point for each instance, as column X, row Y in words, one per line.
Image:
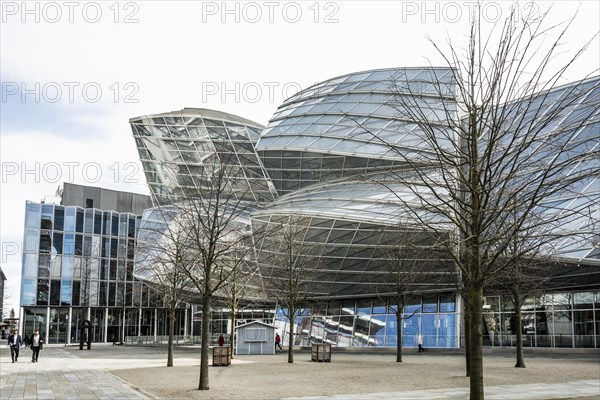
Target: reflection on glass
column 65, row 293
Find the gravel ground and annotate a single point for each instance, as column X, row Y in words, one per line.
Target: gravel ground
column 271, row 377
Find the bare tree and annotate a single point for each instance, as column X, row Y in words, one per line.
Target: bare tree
column 215, row 218
column 528, row 272
column 292, row 261
column 496, row 135
column 6, row 296
column 407, row 272
column 162, row 250
column 234, row 292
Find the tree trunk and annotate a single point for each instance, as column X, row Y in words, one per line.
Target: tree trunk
column 519, row 327
column 467, row 334
column 476, row 342
column 205, row 343
column 171, row 331
column 232, row 336
column 399, row 334
column 291, row 338
column 123, row 325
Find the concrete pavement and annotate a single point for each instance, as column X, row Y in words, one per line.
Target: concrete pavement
column 60, row 375
column 64, row 373
column 584, row 388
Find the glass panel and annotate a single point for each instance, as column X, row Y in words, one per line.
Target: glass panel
column 528, row 323
column 507, row 323
column 89, row 221
column 32, row 215
column 44, row 266
column 429, row 330
column 46, row 221
column 544, row 302
column 102, row 294
column 97, row 223
column 70, row 219
column 562, row 329
column 43, row 291
column 45, row 242
column 543, row 338
column 105, row 247
column 115, row 225
column 55, row 292
column 363, row 306
column 430, row 305
column 28, row 291
column 377, row 331
column 67, row 267
column 106, row 223
column 30, row 266
column 584, row 300
column 447, row 303
column 113, row 270
column 57, row 243
column 59, row 218
column 348, row 306
column 76, row 293
column 379, row 307
column 78, row 250
column 55, row 266
column 334, row 308
column 79, row 221
column 597, row 323
column 32, row 237
column 447, row 331
column 584, row 328
column 391, row 329
column 563, row 301
column 65, row 293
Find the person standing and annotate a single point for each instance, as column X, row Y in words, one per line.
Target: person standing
column 420, row 343
column 278, row 342
column 15, row 342
column 36, row 343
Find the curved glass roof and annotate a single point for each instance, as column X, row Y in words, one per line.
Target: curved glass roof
column 566, row 121
column 352, row 122
column 345, row 115
column 358, row 199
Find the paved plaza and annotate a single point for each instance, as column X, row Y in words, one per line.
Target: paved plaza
column 116, row 372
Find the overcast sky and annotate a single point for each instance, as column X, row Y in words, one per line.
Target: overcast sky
column 73, row 73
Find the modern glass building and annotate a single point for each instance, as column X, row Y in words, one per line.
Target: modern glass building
column 78, row 265
column 311, row 162
column 178, row 151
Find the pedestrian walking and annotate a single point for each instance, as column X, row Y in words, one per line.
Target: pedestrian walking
column 36, row 343
column 420, row 343
column 278, row 342
column 15, row 342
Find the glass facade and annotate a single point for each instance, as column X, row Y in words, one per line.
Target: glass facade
column 78, row 265
column 570, row 319
column 317, row 161
column 371, row 323
column 179, row 149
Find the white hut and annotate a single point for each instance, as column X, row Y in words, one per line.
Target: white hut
column 255, row 337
